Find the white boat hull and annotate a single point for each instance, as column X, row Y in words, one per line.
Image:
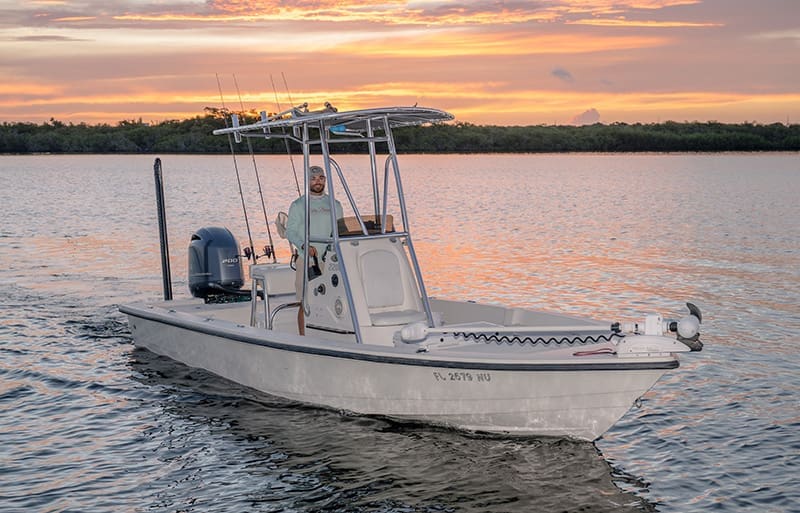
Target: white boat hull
column 533, row 397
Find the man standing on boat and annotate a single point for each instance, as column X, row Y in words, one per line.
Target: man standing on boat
column 319, row 225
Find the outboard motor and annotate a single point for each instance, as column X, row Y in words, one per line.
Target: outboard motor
column 215, row 266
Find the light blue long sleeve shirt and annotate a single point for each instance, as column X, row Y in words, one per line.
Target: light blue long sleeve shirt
column 319, row 222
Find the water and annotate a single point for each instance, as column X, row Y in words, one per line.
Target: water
column 90, row 423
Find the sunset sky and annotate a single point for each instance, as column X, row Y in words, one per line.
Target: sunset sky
column 486, row 61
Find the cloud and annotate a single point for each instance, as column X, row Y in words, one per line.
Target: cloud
column 447, row 43
column 780, row 34
column 563, row 74
column 170, row 13
column 44, row 38
column 622, row 22
column 588, row 117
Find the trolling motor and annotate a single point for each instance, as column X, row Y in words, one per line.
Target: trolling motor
column 687, row 328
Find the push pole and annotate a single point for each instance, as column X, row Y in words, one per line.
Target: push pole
column 166, row 276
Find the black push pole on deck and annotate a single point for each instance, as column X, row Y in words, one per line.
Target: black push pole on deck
column 162, row 231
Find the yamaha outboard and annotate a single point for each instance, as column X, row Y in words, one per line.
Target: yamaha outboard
column 215, row 266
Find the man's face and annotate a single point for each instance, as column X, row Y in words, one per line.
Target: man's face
column 317, row 184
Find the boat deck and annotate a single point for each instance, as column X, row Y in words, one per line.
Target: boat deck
column 542, row 345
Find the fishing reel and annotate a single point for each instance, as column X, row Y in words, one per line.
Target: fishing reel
column 268, row 252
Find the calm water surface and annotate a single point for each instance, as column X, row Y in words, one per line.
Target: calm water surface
column 91, row 424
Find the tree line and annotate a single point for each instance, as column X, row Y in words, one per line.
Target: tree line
column 195, row 136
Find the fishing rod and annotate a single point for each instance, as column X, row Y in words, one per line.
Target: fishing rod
column 269, row 251
column 286, row 141
column 286, row 86
column 252, row 253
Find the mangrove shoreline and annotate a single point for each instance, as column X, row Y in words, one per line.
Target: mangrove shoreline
column 194, row 136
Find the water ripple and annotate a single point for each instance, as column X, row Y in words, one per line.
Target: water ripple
column 90, row 424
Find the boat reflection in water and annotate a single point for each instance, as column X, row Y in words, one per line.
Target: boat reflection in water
column 375, row 343
column 296, row 457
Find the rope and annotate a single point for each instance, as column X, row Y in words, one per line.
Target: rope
column 595, row 352
column 522, row 340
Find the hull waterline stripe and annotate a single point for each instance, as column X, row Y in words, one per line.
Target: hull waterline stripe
column 399, row 359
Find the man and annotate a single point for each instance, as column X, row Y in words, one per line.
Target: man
column 319, row 226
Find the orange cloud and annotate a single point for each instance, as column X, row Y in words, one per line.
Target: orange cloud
column 27, row 89
column 615, row 6
column 75, row 18
column 384, row 12
column 477, row 102
column 396, row 12
column 449, row 44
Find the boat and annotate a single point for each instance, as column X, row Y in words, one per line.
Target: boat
column 374, row 342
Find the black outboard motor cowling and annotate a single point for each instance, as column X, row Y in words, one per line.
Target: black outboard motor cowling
column 215, row 266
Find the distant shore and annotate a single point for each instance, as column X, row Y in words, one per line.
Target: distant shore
column 194, row 136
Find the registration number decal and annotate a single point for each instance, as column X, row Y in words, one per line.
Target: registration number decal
column 478, row 377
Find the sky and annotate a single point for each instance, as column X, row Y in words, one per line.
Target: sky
column 489, row 62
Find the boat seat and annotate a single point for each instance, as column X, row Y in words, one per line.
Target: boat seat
column 278, row 279
column 276, row 282
column 390, row 295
